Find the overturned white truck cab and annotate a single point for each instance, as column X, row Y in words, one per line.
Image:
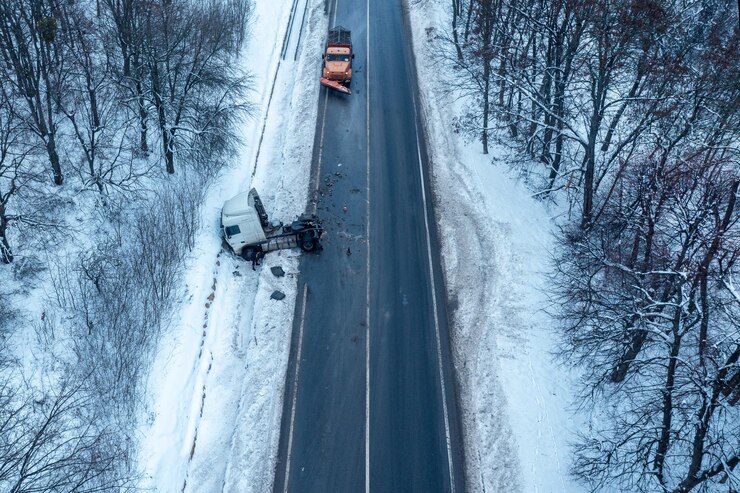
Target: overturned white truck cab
column 250, row 234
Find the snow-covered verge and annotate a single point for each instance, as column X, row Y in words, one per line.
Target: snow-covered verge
column 214, row 400
column 497, row 243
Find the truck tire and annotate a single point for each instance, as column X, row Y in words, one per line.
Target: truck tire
column 249, row 254
column 308, row 245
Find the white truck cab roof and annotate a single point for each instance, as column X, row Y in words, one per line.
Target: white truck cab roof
column 241, row 221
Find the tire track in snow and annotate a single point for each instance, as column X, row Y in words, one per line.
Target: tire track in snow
column 540, row 419
column 544, row 419
column 196, row 425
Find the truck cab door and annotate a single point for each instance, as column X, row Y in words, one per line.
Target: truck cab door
column 235, row 237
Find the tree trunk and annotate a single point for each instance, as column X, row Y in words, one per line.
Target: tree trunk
column 169, row 154
column 49, row 92
column 455, row 15
column 51, row 149
column 141, row 103
column 546, row 96
column 503, row 86
column 691, row 482
column 142, row 119
column 719, row 235
column 620, row 371
column 589, row 159
column 514, row 126
column 6, row 254
column 166, row 132
column 618, row 116
column 667, row 405
column 467, row 21
column 534, row 109
column 486, row 92
column 557, row 159
column 486, row 25
column 559, row 85
column 638, row 338
column 588, row 186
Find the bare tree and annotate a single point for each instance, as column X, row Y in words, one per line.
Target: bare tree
column 127, row 23
column 34, row 65
column 92, row 105
column 643, row 302
column 118, row 296
column 16, row 170
column 195, row 89
column 47, row 443
column 72, row 429
column 9, row 164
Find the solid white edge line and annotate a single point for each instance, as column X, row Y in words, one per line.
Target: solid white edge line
column 321, row 154
column 321, row 137
column 434, row 304
column 367, row 243
column 295, row 391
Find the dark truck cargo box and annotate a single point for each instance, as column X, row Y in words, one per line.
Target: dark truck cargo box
column 339, row 36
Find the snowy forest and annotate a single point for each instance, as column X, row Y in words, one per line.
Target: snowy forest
column 114, row 116
column 627, row 115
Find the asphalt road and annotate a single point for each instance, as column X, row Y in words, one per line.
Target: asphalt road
column 370, row 397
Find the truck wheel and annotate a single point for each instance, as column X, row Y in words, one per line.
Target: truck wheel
column 248, row 254
column 308, row 245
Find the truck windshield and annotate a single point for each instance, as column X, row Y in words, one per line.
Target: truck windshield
column 337, row 58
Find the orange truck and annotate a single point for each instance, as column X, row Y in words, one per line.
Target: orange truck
column 338, row 57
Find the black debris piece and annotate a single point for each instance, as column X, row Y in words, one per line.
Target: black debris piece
column 277, row 271
column 277, row 295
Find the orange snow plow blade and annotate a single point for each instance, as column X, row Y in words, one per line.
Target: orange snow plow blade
column 332, row 84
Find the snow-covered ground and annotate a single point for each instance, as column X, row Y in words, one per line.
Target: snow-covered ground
column 215, row 395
